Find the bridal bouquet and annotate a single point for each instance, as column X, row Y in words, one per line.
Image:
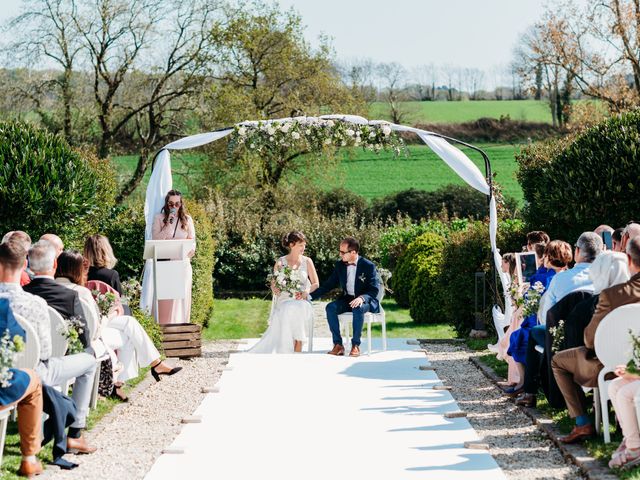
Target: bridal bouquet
column 634, row 364
column 286, row 280
column 73, row 328
column 9, row 348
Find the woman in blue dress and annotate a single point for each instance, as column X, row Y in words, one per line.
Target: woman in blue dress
column 551, row 264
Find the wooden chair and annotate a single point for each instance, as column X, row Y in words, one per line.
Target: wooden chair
column 613, row 347
column 347, row 318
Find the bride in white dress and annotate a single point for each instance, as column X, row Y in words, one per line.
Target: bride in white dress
column 290, row 314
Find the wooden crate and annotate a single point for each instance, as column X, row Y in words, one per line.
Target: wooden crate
column 181, row 340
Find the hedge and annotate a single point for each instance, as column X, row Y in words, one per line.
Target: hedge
column 48, row 187
column 574, row 184
column 424, row 252
column 202, row 263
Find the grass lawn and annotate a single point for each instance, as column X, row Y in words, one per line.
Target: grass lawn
column 235, row 318
column 420, row 169
column 11, row 458
column 466, row 111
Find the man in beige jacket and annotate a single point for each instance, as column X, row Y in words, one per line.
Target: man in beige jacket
column 577, row 367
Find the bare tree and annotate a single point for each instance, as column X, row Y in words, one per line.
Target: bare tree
column 393, row 77
column 45, row 31
column 359, row 75
column 426, row 77
column 597, row 44
column 147, row 60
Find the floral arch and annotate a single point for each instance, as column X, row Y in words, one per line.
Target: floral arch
column 313, row 132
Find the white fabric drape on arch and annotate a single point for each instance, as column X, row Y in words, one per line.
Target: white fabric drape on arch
column 161, row 180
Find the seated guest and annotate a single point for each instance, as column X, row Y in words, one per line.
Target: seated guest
column 536, row 242
column 25, row 392
column 23, row 237
column 616, row 239
column 632, row 230
column 54, row 240
column 577, row 367
column 52, row 371
column 608, row 269
column 43, row 261
column 556, row 256
column 99, row 254
column 622, row 392
column 120, row 332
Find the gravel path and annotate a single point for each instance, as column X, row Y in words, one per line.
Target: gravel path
column 131, row 437
column 521, row 450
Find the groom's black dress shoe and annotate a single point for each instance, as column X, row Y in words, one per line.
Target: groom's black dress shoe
column 337, row 350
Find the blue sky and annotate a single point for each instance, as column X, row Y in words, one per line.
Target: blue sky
column 469, row 33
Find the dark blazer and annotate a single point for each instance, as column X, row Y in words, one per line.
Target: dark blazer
column 107, row 275
column 62, row 299
column 367, row 283
column 20, row 381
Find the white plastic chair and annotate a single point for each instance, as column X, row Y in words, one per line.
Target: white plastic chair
column 637, row 403
column 27, row 359
column 93, row 324
column 613, row 347
column 59, row 343
column 347, row 318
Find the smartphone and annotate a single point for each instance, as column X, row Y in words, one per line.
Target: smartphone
column 607, row 240
column 526, row 266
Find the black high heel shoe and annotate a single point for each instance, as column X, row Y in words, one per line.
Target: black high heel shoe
column 155, row 374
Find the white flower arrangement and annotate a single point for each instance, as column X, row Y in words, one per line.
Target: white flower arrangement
column 9, row 348
column 315, row 134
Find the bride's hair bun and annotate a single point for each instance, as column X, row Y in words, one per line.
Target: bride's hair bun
column 294, row 237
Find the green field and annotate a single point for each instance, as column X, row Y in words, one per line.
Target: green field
column 466, row 111
column 371, row 175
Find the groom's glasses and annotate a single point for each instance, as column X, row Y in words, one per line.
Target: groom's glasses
column 344, row 253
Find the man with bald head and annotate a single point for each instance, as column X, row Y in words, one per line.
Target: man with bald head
column 632, row 230
column 54, row 240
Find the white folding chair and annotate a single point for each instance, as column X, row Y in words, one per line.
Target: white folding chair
column 637, row 403
column 613, row 347
column 93, row 323
column 347, row 318
column 59, row 342
column 4, row 419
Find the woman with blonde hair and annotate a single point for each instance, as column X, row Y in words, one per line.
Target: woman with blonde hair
column 99, row 255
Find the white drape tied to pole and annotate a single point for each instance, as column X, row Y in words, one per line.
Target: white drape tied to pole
column 161, row 181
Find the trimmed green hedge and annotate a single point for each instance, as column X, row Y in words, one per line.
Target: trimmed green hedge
column 422, row 253
column 202, row 263
column 574, row 184
column 425, row 293
column 48, row 187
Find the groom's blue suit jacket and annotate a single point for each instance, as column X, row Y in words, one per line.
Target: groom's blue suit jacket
column 367, row 284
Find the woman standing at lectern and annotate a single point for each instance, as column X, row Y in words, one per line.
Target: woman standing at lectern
column 174, row 223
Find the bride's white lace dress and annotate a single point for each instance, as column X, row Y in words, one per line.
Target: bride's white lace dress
column 289, row 318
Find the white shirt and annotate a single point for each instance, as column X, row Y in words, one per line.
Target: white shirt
column 351, row 278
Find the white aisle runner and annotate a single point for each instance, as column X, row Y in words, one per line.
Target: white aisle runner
column 316, row 416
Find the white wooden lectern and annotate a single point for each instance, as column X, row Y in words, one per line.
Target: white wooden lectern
column 169, row 269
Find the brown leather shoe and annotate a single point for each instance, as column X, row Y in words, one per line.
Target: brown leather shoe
column 355, row 351
column 337, row 350
column 79, row 445
column 30, row 469
column 527, row 400
column 578, row 434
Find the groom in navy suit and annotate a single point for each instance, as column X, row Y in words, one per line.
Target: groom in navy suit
column 358, row 279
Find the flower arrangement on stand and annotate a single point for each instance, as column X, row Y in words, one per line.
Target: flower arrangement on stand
column 9, row 349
